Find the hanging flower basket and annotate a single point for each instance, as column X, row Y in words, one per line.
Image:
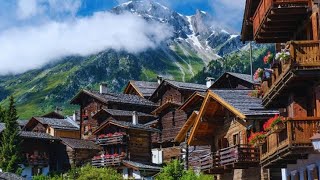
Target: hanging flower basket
column 283, row 56
column 267, row 74
column 278, row 127
column 268, row 58
column 258, row 74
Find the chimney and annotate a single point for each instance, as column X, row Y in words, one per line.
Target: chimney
column 160, row 78
column 74, row 116
column 103, row 88
column 209, row 81
column 135, row 119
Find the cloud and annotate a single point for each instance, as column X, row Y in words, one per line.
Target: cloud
column 28, row 47
column 27, row 9
column 228, row 12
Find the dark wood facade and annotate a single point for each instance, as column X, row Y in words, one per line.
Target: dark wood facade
column 293, row 86
column 122, row 141
column 92, row 102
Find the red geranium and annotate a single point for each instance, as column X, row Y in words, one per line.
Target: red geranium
column 254, row 137
column 101, row 136
column 268, row 58
column 272, row 122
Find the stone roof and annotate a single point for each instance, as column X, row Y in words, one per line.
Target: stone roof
column 247, row 105
column 116, row 112
column 144, row 87
column 118, row 98
column 80, row 144
column 10, row 176
column 129, row 125
column 187, row 86
column 37, row 135
column 142, row 166
column 22, row 122
column 57, row 123
column 245, row 77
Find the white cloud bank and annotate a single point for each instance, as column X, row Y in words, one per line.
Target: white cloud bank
column 29, row 47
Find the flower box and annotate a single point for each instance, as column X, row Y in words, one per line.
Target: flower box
column 259, row 142
column 274, row 124
column 257, row 139
column 278, row 127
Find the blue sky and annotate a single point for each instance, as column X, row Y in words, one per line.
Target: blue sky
column 229, row 11
column 35, row 32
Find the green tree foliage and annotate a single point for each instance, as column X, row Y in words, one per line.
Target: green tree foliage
column 238, row 62
column 10, row 140
column 85, row 173
column 175, row 171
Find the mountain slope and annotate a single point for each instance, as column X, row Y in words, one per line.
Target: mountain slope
column 195, row 43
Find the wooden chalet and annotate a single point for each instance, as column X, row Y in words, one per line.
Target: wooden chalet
column 294, row 84
column 91, row 102
column 170, row 95
column 76, row 152
column 125, row 146
column 224, row 122
column 55, row 127
column 39, row 153
column 141, row 88
column 121, row 115
column 231, row 80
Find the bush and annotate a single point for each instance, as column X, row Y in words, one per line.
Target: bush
column 175, row 171
column 84, row 173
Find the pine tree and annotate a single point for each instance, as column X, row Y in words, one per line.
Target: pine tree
column 1, row 115
column 10, row 140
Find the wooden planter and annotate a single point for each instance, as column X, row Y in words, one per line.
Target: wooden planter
column 278, row 128
column 259, row 142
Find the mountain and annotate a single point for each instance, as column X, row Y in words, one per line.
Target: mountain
column 196, row 42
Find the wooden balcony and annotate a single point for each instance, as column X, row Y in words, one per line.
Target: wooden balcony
column 107, row 161
column 289, row 145
column 239, row 157
column 37, row 161
column 111, row 139
column 209, row 164
column 303, row 65
column 277, row 20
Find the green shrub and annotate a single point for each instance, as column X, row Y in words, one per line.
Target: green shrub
column 175, row 171
column 84, row 173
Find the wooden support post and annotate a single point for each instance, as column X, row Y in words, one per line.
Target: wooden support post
column 314, row 21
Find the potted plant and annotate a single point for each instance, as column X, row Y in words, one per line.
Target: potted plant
column 258, row 74
column 275, row 124
column 257, row 139
column 268, row 58
column 283, row 56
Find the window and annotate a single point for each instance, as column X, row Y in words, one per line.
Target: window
column 36, row 171
column 236, row 139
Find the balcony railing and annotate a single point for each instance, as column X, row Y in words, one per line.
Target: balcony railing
column 107, row 160
column 239, row 156
column 290, row 144
column 109, row 139
column 35, row 160
column 209, row 162
column 265, row 7
column 303, row 55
